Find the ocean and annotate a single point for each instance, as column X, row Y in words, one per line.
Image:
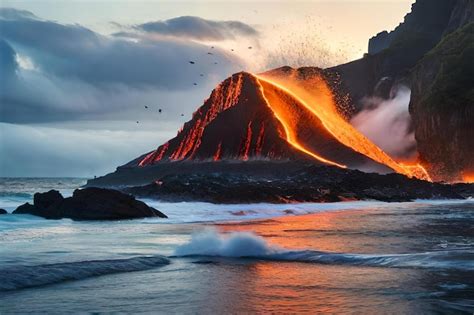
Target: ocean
column 350, row 257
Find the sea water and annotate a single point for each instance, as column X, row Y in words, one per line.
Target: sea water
column 350, row 257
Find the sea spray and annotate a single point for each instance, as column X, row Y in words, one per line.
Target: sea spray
column 236, row 244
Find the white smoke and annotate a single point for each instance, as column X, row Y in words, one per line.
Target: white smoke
column 236, row 244
column 386, row 122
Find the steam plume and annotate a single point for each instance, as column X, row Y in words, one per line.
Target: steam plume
column 387, row 123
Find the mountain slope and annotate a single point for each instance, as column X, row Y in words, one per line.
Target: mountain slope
column 249, row 117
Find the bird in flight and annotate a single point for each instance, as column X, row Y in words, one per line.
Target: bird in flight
column 159, row 110
column 192, row 62
column 146, row 106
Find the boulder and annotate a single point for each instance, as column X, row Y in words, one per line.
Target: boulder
column 44, row 200
column 28, row 208
column 3, row 211
column 88, row 204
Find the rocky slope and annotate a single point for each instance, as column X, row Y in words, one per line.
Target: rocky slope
column 248, row 117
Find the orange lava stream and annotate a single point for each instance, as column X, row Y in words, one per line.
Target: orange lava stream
column 290, row 132
column 321, row 103
column 217, row 155
column 417, row 170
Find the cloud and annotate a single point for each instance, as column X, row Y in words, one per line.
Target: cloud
column 8, row 63
column 62, row 72
column 388, row 124
column 15, row 14
column 197, row 28
column 75, row 51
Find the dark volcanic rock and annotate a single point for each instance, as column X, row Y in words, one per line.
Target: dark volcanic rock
column 3, row 211
column 27, row 208
column 44, row 200
column 88, row 204
column 310, row 184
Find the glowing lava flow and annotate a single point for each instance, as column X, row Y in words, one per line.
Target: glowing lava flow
column 290, row 132
column 322, row 105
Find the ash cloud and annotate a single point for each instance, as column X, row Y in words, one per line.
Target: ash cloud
column 387, row 123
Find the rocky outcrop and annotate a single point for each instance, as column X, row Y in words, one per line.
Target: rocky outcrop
column 44, row 200
column 379, row 42
column 442, row 106
column 3, row 211
column 422, row 28
column 88, row 204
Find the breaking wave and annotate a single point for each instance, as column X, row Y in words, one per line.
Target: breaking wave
column 248, row 245
column 20, row 277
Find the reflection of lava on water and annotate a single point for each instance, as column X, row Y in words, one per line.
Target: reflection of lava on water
column 271, row 117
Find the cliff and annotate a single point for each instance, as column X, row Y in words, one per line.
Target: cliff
column 431, row 52
column 442, row 106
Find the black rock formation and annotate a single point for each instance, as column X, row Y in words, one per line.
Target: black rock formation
column 3, row 211
column 88, row 204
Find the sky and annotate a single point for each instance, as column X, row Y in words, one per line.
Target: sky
column 75, row 76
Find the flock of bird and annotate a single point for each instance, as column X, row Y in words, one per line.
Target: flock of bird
column 195, row 84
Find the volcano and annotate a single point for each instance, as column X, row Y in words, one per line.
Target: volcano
column 284, row 114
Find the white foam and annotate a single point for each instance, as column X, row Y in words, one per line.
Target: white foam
column 237, row 244
column 190, row 212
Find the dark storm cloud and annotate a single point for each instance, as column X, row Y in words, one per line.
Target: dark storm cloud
column 198, row 28
column 72, row 71
column 75, row 51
